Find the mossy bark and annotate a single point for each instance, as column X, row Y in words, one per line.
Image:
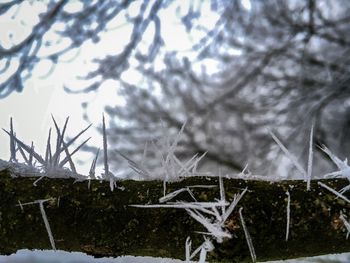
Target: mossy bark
column 101, row 223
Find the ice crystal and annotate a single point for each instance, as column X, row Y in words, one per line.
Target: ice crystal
column 247, row 236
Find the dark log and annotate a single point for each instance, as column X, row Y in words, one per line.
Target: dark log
column 101, row 223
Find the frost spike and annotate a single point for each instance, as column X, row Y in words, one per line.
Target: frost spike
column 183, row 168
column 93, row 165
column 60, row 138
column 30, row 159
column 236, row 199
column 247, row 236
column 23, row 154
column 12, row 143
column 197, row 161
column 346, row 224
column 288, row 216
column 48, row 155
column 289, row 154
column 222, row 192
column 202, row 255
column 177, row 138
column 214, row 229
column 310, row 160
column 105, row 156
column 175, row 193
column 71, row 163
column 65, row 160
column 139, row 169
column 334, row 192
column 188, row 245
column 47, row 225
column 66, row 145
column 144, row 156
column 27, row 148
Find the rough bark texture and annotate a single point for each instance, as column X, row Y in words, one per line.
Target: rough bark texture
column 101, row 223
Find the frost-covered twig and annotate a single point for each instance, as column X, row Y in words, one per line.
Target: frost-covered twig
column 247, row 236
column 288, row 215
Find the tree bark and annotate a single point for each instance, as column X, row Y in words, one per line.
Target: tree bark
column 101, row 223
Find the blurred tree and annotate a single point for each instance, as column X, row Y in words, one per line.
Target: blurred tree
column 279, row 64
column 74, row 23
column 265, row 64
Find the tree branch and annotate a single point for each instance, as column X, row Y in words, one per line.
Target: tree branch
column 102, row 223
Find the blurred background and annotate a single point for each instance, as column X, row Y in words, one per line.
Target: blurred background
column 232, row 70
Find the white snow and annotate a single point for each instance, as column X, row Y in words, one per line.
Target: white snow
column 59, row 256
